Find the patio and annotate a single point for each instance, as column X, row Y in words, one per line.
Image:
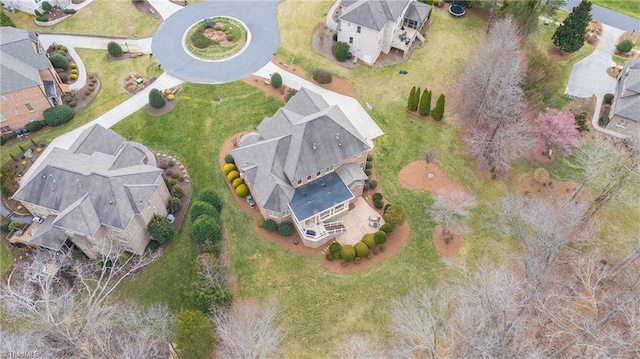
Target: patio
column 357, row 222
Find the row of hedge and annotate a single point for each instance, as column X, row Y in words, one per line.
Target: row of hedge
column 285, row 229
column 233, row 176
column 422, row 103
column 371, row 244
column 205, row 216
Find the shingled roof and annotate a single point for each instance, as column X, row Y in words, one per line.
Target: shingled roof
column 20, row 66
column 373, row 14
column 100, row 180
column 303, row 137
column 627, row 103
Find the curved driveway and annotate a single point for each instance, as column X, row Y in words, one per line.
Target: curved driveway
column 258, row 16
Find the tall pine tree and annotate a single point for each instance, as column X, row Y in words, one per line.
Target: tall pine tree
column 438, row 111
column 425, row 103
column 411, row 96
column 571, row 34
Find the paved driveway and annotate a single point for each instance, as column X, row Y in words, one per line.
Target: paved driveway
column 589, row 76
column 258, row 16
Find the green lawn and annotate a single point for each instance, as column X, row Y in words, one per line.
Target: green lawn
column 629, row 7
column 101, row 17
column 6, row 259
column 112, row 92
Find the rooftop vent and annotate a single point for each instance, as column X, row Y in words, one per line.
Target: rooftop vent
column 314, row 146
column 337, row 136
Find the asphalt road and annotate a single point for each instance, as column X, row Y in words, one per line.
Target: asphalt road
column 258, row 16
column 609, row 17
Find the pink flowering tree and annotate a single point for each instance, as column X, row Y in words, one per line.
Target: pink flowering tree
column 559, row 130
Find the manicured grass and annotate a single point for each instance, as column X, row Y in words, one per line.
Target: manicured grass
column 101, row 17
column 112, row 92
column 6, row 259
column 628, row 7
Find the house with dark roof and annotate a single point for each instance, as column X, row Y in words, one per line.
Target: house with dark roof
column 97, row 193
column 625, row 112
column 372, row 27
column 304, row 165
column 28, row 82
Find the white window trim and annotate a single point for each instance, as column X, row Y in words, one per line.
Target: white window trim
column 272, row 214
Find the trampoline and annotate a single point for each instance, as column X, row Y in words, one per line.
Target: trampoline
column 457, row 10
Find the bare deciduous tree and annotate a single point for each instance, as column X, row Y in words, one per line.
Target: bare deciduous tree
column 249, row 331
column 358, row 347
column 448, row 208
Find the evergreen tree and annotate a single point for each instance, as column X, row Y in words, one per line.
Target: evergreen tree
column 425, row 103
column 438, row 111
column 571, row 34
column 416, row 100
column 411, row 96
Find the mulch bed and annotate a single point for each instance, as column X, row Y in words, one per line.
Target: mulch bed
column 145, row 7
column 184, row 184
column 443, row 248
column 55, row 14
column 415, row 176
column 169, row 105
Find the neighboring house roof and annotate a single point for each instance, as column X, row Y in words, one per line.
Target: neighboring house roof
column 418, row 11
column 627, row 103
column 100, row 180
column 303, row 137
column 373, row 14
column 20, row 66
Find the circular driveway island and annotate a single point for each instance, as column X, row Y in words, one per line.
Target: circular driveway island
column 258, row 16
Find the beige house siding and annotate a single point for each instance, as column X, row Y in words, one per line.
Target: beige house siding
column 137, row 236
column 367, row 44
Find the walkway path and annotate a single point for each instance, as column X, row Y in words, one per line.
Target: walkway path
column 609, row 17
column 330, row 22
column 258, row 16
column 165, row 7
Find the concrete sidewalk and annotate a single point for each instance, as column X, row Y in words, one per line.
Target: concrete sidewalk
column 165, row 8
column 349, row 105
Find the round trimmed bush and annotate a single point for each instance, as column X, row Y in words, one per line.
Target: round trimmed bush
column 46, row 6
column 174, row 205
column 335, row 247
column 394, row 215
column 206, row 229
column 373, row 184
column 377, row 196
column 69, row 11
column 229, row 37
column 624, row 46
column 236, row 182
column 171, row 97
column 200, row 208
column 156, row 99
column 177, row 192
column 330, row 256
column 63, row 77
column 34, row 126
column 361, row 249
column 242, row 190
column 322, row 77
column 74, row 71
column 57, row 115
column 261, row 223
column 367, row 172
column 73, row 65
column 285, row 229
column 233, row 175
column 380, row 237
column 228, row 168
column 114, row 49
column 340, row 50
column 608, row 98
column 348, row 252
column 228, row 159
column 276, row 80
column 369, row 165
column 386, row 228
column 603, row 121
column 42, row 18
column 270, row 225
column 59, row 61
column 369, row 240
column 378, row 204
column 210, row 196
column 369, row 158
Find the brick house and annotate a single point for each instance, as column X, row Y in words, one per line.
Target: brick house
column 625, row 112
column 28, row 82
column 98, row 191
column 305, row 166
column 371, row 27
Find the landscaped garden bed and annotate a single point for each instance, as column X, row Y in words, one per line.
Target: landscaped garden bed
column 177, row 180
column 51, row 15
column 13, row 170
column 63, row 63
column 216, row 38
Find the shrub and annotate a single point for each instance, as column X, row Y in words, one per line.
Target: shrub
column 414, row 99
column 270, row 225
column 425, row 103
column 228, row 159
column 361, row 249
column 438, row 111
column 608, row 98
column 208, row 23
column 394, row 215
column 369, row 240
column 200, row 208
column 540, row 175
column 603, row 121
column 348, row 252
column 69, row 11
column 236, row 182
column 228, row 168
column 369, row 158
column 14, row 226
column 114, row 49
column 624, row 46
column 57, row 115
column 199, row 40
column 177, row 192
column 233, row 175
column 330, row 256
column 229, row 37
column 344, row 262
column 261, row 223
column 368, row 165
column 175, row 175
column 87, row 93
column 206, row 229
column 160, row 229
column 378, row 204
column 368, row 173
column 59, row 61
column 373, row 184
column 5, row 20
column 340, row 50
column 2, row 140
column 242, row 190
column 380, row 237
column 386, row 228
column 34, row 126
column 210, row 196
column 285, row 229
column 46, row 6
column 581, row 121
column 290, row 94
column 174, row 205
column 156, row 100
column 322, row 77
column 75, row 71
column 63, row 77
column 335, row 247
column 377, row 196
column 335, row 36
column 42, row 18
column 357, row 260
column 276, row 80
column 75, row 77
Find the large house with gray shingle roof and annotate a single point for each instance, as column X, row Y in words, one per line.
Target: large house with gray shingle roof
column 98, row 191
column 371, row 27
column 305, row 166
column 625, row 113
column 28, row 82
